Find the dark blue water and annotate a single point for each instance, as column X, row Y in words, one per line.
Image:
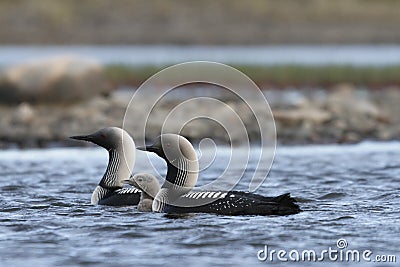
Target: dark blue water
column 349, row 192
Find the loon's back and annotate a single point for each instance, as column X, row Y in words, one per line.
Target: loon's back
column 236, row 203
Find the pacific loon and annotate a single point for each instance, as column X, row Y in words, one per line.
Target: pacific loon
column 121, row 151
column 176, row 195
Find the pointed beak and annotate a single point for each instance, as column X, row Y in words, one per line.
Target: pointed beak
column 148, row 148
column 88, row 138
column 143, row 148
column 132, row 182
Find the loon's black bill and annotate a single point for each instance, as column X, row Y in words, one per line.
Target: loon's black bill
column 133, row 183
column 148, row 148
column 82, row 137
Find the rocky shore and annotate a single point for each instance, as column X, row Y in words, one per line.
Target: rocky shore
column 42, row 104
column 345, row 115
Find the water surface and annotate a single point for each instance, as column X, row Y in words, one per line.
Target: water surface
column 46, row 219
column 362, row 55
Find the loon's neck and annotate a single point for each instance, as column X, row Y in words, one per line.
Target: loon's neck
column 115, row 172
column 181, row 173
column 181, row 177
column 118, row 169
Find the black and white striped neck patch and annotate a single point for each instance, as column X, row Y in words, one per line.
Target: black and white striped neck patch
column 127, row 190
column 206, row 194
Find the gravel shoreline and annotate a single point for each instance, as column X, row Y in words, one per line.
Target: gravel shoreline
column 44, row 102
column 344, row 114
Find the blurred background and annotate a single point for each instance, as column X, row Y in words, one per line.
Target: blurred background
column 329, row 69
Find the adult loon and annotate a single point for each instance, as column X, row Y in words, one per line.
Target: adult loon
column 175, row 195
column 121, row 150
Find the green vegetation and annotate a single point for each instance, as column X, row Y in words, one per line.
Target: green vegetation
column 280, row 75
column 129, row 75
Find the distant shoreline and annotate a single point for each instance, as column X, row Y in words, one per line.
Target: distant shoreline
column 199, row 22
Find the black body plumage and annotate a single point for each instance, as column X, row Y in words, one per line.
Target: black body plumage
column 236, row 203
column 121, row 197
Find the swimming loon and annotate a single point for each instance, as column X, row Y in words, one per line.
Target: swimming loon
column 176, row 195
column 149, row 186
column 121, row 150
column 149, row 183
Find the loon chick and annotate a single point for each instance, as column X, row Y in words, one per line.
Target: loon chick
column 149, row 186
column 121, row 150
column 175, row 195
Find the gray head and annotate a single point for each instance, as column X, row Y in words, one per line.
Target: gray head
column 109, row 138
column 170, row 147
column 183, row 167
column 146, row 182
column 180, row 157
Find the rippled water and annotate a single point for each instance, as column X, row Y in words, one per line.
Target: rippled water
column 46, row 219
